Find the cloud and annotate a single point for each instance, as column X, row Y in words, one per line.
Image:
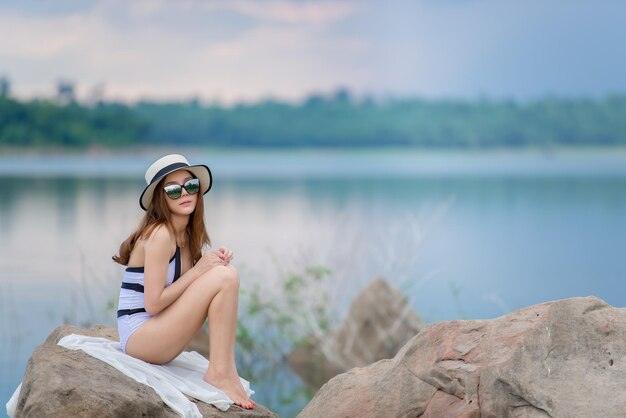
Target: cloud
column 36, row 37
column 311, row 12
column 284, row 62
column 246, row 49
column 288, row 51
column 278, row 11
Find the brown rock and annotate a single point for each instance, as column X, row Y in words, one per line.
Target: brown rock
column 564, row 358
column 70, row 383
column 380, row 321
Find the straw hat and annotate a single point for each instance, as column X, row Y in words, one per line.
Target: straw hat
column 166, row 165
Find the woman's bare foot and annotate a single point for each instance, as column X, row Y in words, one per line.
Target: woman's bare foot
column 230, row 385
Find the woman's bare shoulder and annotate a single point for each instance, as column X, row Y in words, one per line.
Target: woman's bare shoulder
column 160, row 240
column 160, row 233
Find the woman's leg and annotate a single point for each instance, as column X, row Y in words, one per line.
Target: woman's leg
column 222, row 330
column 164, row 336
column 222, row 371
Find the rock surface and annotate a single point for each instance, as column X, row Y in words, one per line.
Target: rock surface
column 380, row 321
column 564, row 358
column 69, row 383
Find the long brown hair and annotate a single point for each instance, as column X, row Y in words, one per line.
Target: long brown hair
column 158, row 214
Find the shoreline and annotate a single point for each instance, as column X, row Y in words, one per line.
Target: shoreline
column 271, row 164
column 6, row 151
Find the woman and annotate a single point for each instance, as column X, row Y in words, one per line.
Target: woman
column 163, row 303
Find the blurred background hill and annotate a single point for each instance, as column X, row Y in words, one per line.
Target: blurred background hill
column 333, row 121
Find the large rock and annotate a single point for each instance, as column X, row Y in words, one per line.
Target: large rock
column 380, row 321
column 564, row 358
column 70, row 383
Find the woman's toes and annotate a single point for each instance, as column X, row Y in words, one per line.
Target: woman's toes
column 247, row 404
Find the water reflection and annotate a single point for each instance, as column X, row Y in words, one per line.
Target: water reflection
column 502, row 241
column 60, row 218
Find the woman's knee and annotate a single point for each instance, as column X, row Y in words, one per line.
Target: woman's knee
column 225, row 276
column 230, row 277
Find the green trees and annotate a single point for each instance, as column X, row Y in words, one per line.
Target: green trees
column 5, row 87
column 46, row 123
column 337, row 120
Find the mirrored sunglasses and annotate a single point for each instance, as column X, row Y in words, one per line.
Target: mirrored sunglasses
column 175, row 191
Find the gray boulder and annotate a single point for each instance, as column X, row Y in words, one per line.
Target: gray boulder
column 380, row 321
column 70, row 383
column 564, row 358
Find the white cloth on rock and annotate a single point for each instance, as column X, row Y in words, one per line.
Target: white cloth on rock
column 171, row 381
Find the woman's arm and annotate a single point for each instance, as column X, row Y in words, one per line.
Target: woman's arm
column 157, row 253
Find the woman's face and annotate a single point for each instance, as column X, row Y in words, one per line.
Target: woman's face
column 186, row 203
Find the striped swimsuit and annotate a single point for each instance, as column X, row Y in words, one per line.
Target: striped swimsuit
column 131, row 313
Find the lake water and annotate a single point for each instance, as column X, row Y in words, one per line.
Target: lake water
column 462, row 235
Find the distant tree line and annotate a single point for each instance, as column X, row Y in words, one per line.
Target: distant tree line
column 339, row 121
column 45, row 123
column 336, row 120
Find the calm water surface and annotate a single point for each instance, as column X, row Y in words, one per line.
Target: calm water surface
column 462, row 235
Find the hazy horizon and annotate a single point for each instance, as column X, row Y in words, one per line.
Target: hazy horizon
column 245, row 51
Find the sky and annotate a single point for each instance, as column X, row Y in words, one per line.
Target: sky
column 249, row 50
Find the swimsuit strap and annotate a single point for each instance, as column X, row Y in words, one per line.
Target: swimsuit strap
column 177, row 264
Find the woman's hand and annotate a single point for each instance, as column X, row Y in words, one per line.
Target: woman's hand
column 208, row 260
column 225, row 254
